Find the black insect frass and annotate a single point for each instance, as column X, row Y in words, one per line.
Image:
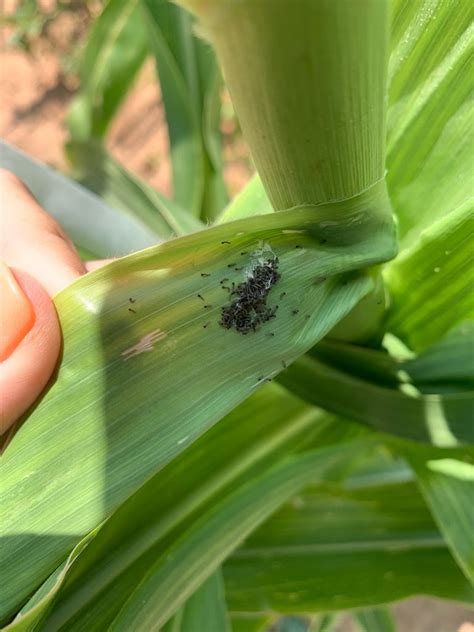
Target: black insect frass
column 248, row 308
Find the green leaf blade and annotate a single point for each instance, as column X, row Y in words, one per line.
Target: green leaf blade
column 429, row 144
column 448, row 487
column 431, row 283
column 115, row 51
column 304, row 560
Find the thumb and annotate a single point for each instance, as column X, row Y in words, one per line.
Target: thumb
column 38, row 261
column 30, row 341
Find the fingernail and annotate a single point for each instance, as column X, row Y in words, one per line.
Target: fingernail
column 16, row 313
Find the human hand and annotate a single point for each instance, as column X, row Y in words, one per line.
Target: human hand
column 37, row 260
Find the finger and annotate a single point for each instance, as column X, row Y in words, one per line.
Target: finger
column 99, row 263
column 29, row 343
column 32, row 240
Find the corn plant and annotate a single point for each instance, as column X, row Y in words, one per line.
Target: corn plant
column 270, row 415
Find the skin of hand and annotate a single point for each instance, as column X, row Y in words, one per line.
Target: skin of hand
column 37, row 260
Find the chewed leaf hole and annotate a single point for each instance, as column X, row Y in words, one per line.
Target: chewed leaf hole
column 248, row 308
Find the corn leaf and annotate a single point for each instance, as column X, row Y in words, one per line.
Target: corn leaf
column 252, row 200
column 100, row 229
column 346, row 547
column 205, row 610
column 375, row 389
column 249, row 622
column 215, row 195
column 448, row 486
column 448, row 363
column 36, row 608
column 98, row 171
column 430, row 132
column 238, row 516
column 255, row 431
column 116, row 49
column 190, row 84
column 431, row 283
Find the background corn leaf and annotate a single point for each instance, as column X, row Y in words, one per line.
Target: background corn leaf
column 304, row 560
column 252, row 200
column 190, row 83
column 431, row 283
column 430, row 134
column 96, row 169
column 250, row 622
column 447, row 485
column 238, row 516
column 372, row 387
column 215, row 195
column 93, row 225
column 375, row 620
column 205, row 610
column 116, row 49
column 448, row 364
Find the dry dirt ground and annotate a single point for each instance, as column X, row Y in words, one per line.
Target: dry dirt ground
column 35, row 95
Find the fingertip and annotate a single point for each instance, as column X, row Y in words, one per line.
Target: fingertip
column 16, row 314
column 26, row 370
